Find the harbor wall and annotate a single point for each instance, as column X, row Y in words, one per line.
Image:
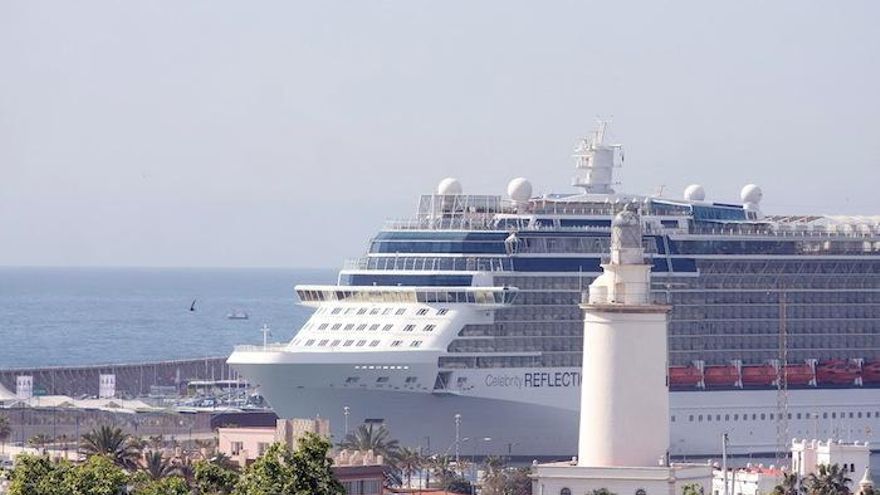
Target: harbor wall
column 132, row 380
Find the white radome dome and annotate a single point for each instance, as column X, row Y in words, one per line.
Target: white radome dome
column 519, row 189
column 751, row 194
column 695, row 192
column 449, row 186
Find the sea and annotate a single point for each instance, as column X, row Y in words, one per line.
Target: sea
column 79, row 316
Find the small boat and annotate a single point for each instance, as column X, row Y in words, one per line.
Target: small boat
column 721, row 376
column 837, row 372
column 871, row 372
column 684, row 376
column 237, row 315
column 799, row 374
column 762, row 375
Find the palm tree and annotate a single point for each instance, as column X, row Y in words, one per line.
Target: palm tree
column 829, row 480
column 408, row 461
column 113, row 443
column 378, row 440
column 156, row 465
column 185, row 468
column 39, row 441
column 5, row 432
column 791, row 485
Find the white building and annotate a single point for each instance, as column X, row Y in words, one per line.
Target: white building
column 624, row 419
column 808, row 455
column 750, row 480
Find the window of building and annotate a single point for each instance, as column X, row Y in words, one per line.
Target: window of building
column 334, row 343
column 361, row 343
column 362, row 311
column 349, row 326
column 262, row 447
column 430, row 328
column 415, row 343
column 396, row 343
column 374, row 343
column 348, row 343
column 374, row 311
column 409, row 328
column 336, row 326
column 362, row 326
column 235, row 448
column 374, row 326
column 310, row 342
column 322, row 326
column 422, row 312
column 442, row 311
column 387, row 327
column 400, row 311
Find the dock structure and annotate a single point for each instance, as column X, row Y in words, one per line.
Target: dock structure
column 132, row 379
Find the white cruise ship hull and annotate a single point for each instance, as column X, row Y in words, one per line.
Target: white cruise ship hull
column 540, row 419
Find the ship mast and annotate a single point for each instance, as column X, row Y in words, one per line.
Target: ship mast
column 594, row 162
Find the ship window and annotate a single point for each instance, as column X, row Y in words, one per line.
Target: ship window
column 860, row 415
column 850, row 415
column 798, row 415
column 834, row 415
column 408, row 328
column 349, row 326
column 771, row 417
column 335, row 343
column 310, row 342
column 361, row 343
column 400, row 311
column 708, row 417
column 763, row 416
column 691, row 418
column 415, row 343
column 382, row 379
column 789, row 416
column 322, row 326
column 430, row 328
column 672, row 419
column 754, row 417
column 411, row 379
column 396, row 343
column 352, row 379
column 374, row 326
column 348, row 343
column 387, row 327
column 641, row 491
column 717, row 417
column 362, row 326
column 374, row 343
column 727, row 417
column 336, row 311
column 736, row 417
column 337, row 326
column 442, row 311
column 374, row 311
column 362, row 311
column 700, row 418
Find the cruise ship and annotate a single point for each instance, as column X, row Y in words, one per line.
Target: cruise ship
column 463, row 322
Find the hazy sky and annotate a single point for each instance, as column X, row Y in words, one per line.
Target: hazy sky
column 219, row 133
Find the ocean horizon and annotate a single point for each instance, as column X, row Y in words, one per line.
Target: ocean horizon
column 69, row 316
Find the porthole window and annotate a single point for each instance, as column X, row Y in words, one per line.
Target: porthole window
column 565, row 491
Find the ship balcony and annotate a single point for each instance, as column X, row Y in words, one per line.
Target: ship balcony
column 483, row 297
column 430, row 263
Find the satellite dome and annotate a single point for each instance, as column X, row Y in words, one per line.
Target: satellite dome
column 519, row 189
column 449, row 186
column 695, row 192
column 751, row 194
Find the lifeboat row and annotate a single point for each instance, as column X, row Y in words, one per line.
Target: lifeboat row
column 809, row 374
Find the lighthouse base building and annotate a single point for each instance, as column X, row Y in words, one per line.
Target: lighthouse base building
column 623, row 444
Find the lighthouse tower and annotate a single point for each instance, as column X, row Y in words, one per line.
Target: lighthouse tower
column 624, row 393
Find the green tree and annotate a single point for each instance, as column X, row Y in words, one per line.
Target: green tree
column 171, row 485
column 113, row 443
column 692, row 489
column 37, row 475
column 828, row 480
column 213, row 478
column 99, row 475
column 280, row 471
column 791, row 485
column 409, row 462
column 5, row 431
column 379, row 440
column 155, row 465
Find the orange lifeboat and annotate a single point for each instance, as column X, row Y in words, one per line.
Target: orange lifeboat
column 837, row 372
column 762, row 375
column 684, row 376
column 871, row 372
column 798, row 374
column 721, row 376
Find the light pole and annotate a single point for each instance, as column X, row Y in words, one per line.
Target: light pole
column 724, row 441
column 346, row 411
column 457, row 438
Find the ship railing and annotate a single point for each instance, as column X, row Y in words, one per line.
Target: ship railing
column 274, row 347
column 430, row 263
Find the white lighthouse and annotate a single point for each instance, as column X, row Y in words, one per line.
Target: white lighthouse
column 624, row 427
column 624, row 394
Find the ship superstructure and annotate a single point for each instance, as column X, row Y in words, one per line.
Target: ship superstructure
column 472, row 308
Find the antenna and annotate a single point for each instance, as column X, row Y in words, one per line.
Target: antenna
column 266, row 332
column 782, row 381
